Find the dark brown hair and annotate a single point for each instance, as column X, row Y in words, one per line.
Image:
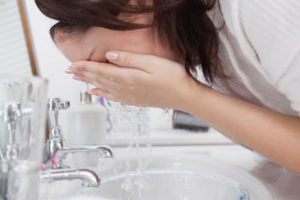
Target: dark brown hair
column 183, row 24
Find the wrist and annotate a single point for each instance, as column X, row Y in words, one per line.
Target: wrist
column 192, row 95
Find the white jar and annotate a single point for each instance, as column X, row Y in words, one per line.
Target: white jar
column 86, row 125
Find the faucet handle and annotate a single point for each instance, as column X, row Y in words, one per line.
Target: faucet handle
column 54, row 106
column 12, row 112
column 12, row 115
column 57, row 104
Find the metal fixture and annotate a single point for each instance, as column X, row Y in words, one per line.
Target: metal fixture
column 57, row 150
column 11, row 114
column 87, row 177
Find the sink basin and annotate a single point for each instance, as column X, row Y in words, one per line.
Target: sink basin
column 165, row 177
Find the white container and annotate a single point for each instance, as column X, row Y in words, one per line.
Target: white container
column 86, row 125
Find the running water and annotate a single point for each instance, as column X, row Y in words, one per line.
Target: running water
column 138, row 123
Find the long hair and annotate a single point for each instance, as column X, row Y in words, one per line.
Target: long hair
column 183, row 24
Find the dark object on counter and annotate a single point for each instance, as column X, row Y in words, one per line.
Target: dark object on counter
column 182, row 120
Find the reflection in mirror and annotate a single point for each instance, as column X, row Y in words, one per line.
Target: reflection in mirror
column 16, row 56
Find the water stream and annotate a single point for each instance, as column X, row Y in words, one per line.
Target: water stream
column 138, row 122
column 134, row 181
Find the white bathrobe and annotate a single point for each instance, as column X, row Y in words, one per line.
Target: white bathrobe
column 260, row 52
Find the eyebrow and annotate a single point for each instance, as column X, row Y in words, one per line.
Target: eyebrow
column 91, row 54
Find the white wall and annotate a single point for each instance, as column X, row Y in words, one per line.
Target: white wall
column 14, row 55
column 50, row 61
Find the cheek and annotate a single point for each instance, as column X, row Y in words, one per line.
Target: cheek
column 71, row 51
column 136, row 41
column 144, row 42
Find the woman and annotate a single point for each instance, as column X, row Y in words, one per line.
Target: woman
column 145, row 53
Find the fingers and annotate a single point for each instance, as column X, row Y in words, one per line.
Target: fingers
column 99, row 92
column 105, row 88
column 131, row 60
column 97, row 81
column 104, row 70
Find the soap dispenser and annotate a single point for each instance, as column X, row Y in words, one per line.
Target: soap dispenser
column 86, row 122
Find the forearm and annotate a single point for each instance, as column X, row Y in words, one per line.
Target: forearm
column 274, row 135
column 157, row 82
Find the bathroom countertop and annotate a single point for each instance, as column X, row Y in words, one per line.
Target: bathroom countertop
column 283, row 185
column 171, row 138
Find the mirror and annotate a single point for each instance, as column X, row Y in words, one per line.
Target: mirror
column 16, row 52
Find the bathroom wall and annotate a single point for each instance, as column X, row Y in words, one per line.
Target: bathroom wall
column 52, row 64
column 14, row 57
column 49, row 60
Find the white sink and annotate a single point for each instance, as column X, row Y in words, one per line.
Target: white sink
column 165, row 177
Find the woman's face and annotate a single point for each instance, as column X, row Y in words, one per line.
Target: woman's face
column 93, row 44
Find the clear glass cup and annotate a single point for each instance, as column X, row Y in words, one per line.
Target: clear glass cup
column 23, row 105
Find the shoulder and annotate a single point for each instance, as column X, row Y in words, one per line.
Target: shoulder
column 268, row 34
column 270, row 28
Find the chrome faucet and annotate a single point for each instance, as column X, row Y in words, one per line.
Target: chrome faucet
column 87, row 177
column 57, row 147
column 11, row 114
column 57, row 150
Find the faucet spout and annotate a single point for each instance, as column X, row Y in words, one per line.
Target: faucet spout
column 88, row 177
column 57, row 150
column 104, row 151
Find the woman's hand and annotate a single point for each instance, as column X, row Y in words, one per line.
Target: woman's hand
column 140, row 80
column 151, row 81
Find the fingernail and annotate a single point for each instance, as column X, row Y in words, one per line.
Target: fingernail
column 73, row 66
column 111, row 55
column 92, row 92
column 76, row 78
column 69, row 71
